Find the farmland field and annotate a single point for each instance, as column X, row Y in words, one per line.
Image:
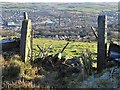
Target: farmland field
column 73, row 49
column 82, row 7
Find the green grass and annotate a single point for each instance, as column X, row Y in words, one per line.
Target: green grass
column 50, row 78
column 73, row 49
column 89, row 7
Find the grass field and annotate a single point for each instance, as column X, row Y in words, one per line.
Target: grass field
column 73, row 49
column 32, row 75
column 89, row 7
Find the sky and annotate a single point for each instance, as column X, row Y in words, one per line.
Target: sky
column 59, row 0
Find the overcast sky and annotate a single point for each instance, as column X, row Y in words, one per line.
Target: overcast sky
column 60, row 0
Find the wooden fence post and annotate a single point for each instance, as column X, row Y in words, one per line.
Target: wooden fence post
column 102, row 43
column 26, row 39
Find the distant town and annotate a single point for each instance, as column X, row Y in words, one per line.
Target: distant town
column 59, row 20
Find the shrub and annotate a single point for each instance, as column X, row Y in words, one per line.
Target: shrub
column 11, row 71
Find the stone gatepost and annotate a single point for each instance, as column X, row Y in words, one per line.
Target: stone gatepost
column 102, row 43
column 26, row 39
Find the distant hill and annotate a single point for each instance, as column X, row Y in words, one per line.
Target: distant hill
column 82, row 7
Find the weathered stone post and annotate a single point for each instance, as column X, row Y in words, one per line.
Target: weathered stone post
column 26, row 39
column 102, row 43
